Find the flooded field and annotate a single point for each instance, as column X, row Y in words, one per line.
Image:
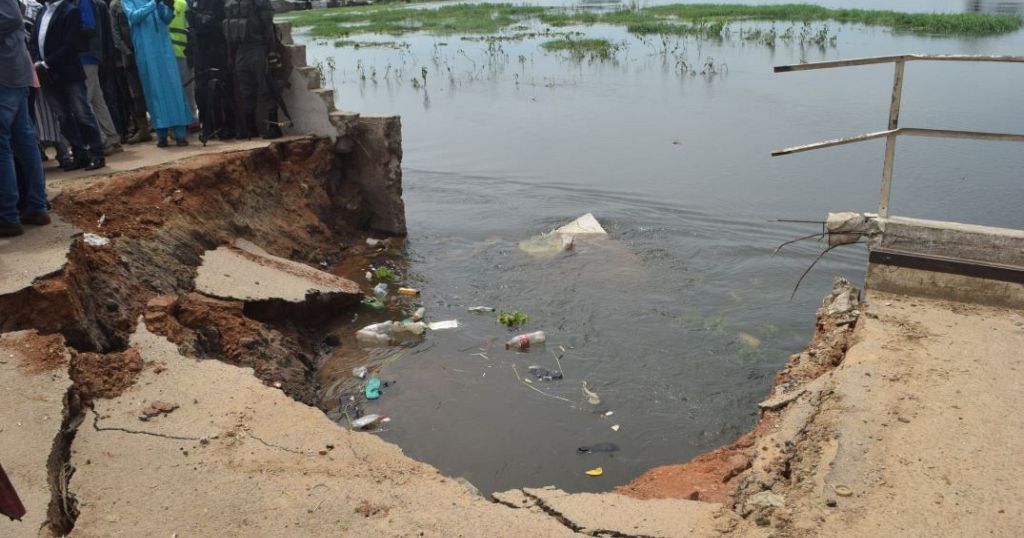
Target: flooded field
column 679, row 319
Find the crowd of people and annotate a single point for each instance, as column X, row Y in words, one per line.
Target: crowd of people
column 85, row 77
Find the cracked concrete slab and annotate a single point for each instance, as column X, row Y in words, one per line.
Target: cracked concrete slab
column 33, row 374
column 246, row 272
column 238, row 458
column 600, row 514
column 42, row 251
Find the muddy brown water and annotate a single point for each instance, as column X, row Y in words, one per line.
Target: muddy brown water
column 677, row 168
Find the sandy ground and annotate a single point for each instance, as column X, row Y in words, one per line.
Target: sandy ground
column 920, row 428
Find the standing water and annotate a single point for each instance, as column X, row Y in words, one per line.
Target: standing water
column 676, row 322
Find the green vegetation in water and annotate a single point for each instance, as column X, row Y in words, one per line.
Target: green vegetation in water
column 384, row 274
column 371, row 44
column 704, row 20
column 584, row 49
column 512, row 319
column 445, row 20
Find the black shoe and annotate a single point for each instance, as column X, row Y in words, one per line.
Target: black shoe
column 181, row 143
column 10, row 229
column 95, row 164
column 161, row 143
column 272, row 132
column 69, row 165
column 35, row 219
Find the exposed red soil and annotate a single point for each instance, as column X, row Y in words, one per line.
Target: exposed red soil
column 39, row 353
column 215, row 328
column 104, row 375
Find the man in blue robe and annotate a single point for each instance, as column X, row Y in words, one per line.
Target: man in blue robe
column 158, row 69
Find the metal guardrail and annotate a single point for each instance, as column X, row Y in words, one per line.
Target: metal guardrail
column 894, row 131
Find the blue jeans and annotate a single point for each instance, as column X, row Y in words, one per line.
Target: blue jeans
column 70, row 101
column 18, row 142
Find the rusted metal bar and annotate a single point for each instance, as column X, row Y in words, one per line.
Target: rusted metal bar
column 973, row 135
column 890, row 140
column 909, row 131
column 830, row 143
column 898, row 58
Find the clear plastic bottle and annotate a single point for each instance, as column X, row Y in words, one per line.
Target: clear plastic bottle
column 524, row 341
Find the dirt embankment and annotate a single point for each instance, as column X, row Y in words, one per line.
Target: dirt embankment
column 291, row 198
column 755, row 462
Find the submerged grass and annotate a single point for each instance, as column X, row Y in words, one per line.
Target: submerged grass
column 584, row 49
column 677, row 19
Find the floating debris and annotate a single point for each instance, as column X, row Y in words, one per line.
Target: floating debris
column 94, row 240
column 596, row 471
column 440, row 325
column 481, row 309
column 592, row 397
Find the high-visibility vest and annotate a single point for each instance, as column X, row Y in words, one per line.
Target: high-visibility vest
column 179, row 34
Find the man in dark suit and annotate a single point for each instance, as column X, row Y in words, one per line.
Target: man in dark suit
column 54, row 46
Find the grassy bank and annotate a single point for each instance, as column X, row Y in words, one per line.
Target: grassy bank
column 678, row 19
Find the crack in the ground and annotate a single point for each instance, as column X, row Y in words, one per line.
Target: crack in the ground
column 279, row 447
column 568, row 523
column 96, row 425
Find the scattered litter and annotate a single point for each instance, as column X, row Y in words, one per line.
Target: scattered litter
column 527, row 381
column 843, row 491
column 524, row 341
column 156, row 407
column 599, row 447
column 440, row 325
column 365, row 421
column 562, row 238
column 375, row 334
column 412, row 327
column 408, row 292
column 419, row 314
column 615, row 427
column 481, row 309
column 380, row 291
column 103, row 218
column 94, row 240
column 592, row 397
column 386, row 420
column 609, row 413
column 376, row 242
column 360, row 372
column 372, row 388
column 372, row 302
column 544, row 374
column 369, row 276
column 596, row 471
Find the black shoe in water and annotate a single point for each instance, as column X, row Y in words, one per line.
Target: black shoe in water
column 10, row 229
column 35, row 219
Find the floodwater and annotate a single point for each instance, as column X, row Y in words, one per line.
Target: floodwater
column 658, row 318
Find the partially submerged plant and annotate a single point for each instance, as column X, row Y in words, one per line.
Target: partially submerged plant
column 514, row 318
column 384, row 274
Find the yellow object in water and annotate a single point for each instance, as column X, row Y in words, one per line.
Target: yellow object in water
column 597, row 471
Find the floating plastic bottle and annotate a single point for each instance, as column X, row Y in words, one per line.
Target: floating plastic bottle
column 524, row 341
column 481, row 309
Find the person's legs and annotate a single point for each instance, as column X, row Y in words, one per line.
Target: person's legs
column 190, row 95
column 59, row 100
column 94, row 96
column 181, row 135
column 161, row 137
column 25, row 147
column 9, row 218
column 86, row 123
